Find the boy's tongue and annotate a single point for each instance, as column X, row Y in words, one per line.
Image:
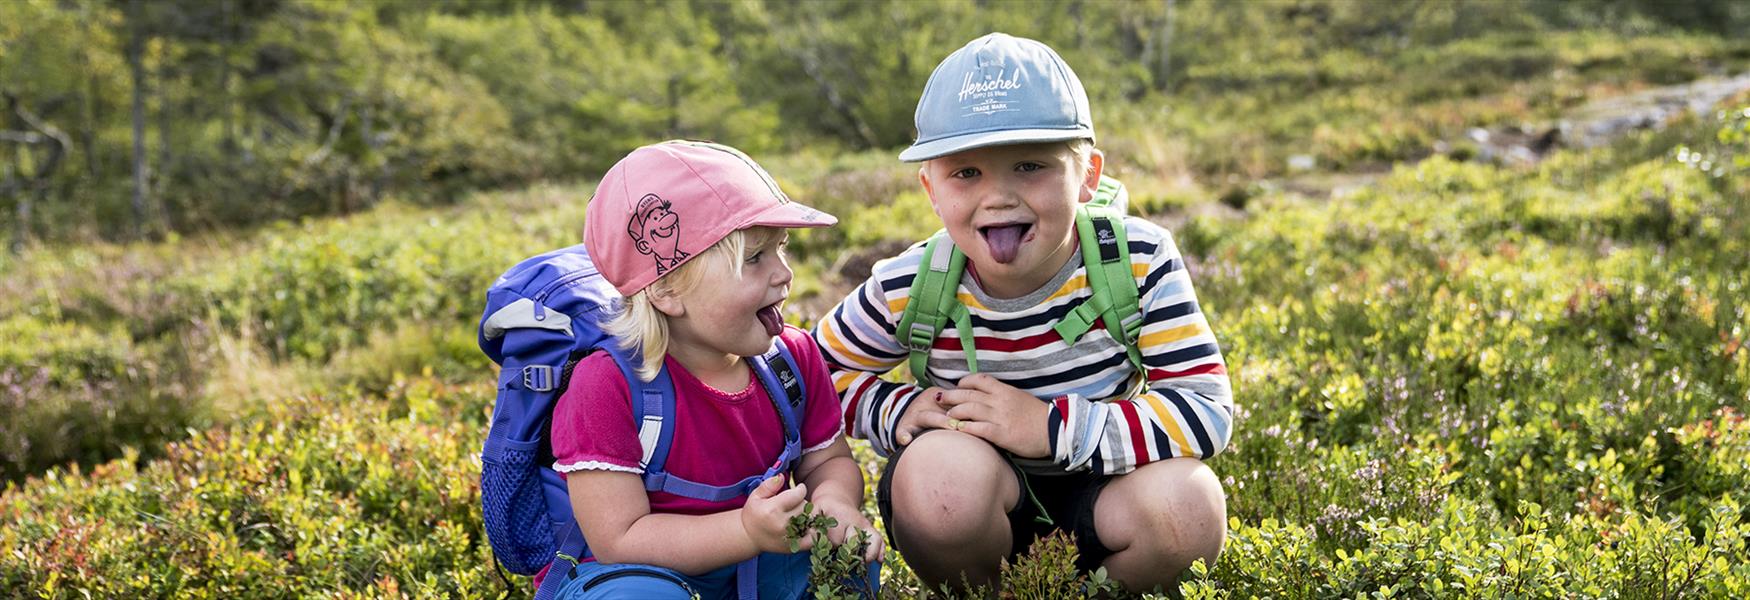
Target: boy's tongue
column 770, row 318
column 1004, row 242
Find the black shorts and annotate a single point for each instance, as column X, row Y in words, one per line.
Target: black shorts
column 1068, row 502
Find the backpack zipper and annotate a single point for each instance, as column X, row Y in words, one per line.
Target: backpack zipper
column 628, row 572
column 541, row 296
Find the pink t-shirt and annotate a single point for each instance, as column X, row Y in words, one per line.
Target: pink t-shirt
column 720, row 437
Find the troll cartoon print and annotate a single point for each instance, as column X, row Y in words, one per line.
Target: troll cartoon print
column 656, row 231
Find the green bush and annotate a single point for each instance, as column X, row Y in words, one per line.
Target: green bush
column 73, row 394
column 325, row 496
column 1463, row 380
column 310, row 290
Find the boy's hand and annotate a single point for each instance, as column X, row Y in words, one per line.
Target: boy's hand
column 848, row 516
column 925, row 413
column 1000, row 414
column 767, row 514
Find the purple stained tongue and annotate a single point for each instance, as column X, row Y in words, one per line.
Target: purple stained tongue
column 770, row 318
column 1004, row 242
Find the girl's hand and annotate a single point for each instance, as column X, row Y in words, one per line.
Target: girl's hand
column 766, row 516
column 1001, row 414
column 849, row 517
column 924, row 413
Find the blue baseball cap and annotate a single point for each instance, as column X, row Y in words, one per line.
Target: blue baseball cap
column 997, row 90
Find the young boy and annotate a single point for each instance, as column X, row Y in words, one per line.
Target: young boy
column 1026, row 432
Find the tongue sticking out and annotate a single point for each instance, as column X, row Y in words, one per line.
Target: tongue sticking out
column 1004, row 241
column 770, row 318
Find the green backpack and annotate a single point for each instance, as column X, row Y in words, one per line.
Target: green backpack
column 1105, row 252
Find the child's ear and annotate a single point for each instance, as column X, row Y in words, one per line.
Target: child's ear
column 667, row 302
column 1091, row 178
column 924, row 178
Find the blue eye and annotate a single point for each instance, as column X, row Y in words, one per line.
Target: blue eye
column 965, row 173
column 1029, row 167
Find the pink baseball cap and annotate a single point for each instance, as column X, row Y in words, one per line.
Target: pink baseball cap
column 665, row 203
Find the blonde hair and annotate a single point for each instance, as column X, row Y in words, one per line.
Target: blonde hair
column 1083, row 150
column 640, row 327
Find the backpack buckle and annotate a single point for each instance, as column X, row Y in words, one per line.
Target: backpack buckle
column 539, row 378
column 920, row 338
column 1133, row 327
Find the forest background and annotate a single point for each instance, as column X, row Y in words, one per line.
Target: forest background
column 1478, row 267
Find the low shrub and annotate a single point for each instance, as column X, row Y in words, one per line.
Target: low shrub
column 324, row 496
column 74, row 394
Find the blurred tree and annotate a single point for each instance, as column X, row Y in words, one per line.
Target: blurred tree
column 198, row 114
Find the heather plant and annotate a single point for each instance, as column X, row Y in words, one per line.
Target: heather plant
column 1486, row 382
column 310, row 290
column 72, row 393
column 321, row 497
column 838, row 569
column 1463, row 380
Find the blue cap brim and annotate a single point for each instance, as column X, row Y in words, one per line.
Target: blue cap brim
column 938, row 148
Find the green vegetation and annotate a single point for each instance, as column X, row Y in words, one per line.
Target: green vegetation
column 1460, row 379
column 129, row 119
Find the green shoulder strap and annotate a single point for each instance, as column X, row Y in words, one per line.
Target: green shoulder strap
column 1105, row 253
column 933, row 303
column 1106, row 256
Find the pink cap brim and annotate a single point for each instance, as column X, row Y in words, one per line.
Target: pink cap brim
column 791, row 214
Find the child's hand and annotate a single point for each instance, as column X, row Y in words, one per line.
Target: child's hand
column 848, row 517
column 767, row 514
column 1000, row 414
column 925, row 413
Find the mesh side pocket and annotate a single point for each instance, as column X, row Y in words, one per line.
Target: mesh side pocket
column 515, row 511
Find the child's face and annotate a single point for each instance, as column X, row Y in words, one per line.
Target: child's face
column 725, row 315
column 1011, row 209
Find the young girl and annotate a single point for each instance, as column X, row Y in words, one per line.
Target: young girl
column 691, row 235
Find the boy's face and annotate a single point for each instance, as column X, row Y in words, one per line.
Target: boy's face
column 1011, row 209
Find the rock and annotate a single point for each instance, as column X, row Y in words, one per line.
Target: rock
column 1302, row 162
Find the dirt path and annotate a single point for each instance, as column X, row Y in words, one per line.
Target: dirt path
column 1593, row 124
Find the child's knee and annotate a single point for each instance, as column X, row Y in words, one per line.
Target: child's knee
column 952, row 468
column 949, row 484
column 1174, row 507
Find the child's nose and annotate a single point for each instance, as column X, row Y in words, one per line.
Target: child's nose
column 999, row 197
column 784, row 274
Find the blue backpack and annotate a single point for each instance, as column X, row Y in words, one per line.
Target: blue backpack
column 542, row 316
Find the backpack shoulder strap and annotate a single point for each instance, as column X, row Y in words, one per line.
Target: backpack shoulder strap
column 652, row 406
column 782, row 364
column 932, row 301
column 1106, row 256
column 776, row 370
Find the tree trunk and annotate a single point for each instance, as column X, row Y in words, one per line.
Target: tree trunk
column 228, row 104
column 21, row 224
column 88, row 129
column 34, row 172
column 167, row 210
column 136, row 66
column 162, row 91
column 1162, row 81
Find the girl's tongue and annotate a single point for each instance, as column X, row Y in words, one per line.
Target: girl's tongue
column 770, row 318
column 1004, row 241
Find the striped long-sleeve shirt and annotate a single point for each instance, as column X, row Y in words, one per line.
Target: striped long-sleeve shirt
column 1186, row 409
